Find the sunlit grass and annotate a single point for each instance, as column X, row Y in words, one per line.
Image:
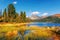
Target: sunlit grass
column 11, row 30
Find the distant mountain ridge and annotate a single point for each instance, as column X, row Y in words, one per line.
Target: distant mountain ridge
column 57, row 15
column 53, row 18
column 36, row 17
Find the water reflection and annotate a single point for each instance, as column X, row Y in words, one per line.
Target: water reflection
column 22, row 35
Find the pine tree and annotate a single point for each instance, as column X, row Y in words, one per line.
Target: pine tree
column 21, row 16
column 24, row 16
column 11, row 12
column 5, row 15
column 17, row 18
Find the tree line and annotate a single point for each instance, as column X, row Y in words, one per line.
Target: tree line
column 10, row 15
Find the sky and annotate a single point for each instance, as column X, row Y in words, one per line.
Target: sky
column 35, row 7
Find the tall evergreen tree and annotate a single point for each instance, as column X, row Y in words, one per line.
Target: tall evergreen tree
column 24, row 16
column 11, row 12
column 5, row 15
column 17, row 18
column 21, row 16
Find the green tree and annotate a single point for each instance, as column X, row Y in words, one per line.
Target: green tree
column 11, row 12
column 17, row 18
column 5, row 15
column 23, row 16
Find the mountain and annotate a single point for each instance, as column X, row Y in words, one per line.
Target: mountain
column 54, row 18
column 56, row 15
column 42, row 17
column 34, row 17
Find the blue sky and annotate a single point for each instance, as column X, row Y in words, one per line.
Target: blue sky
column 36, row 7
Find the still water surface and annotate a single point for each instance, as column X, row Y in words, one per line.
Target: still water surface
column 43, row 24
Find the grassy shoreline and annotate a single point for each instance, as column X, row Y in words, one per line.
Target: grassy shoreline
column 12, row 24
column 11, row 30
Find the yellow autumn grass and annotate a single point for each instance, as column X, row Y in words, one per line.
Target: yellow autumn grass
column 12, row 29
column 12, row 24
column 41, row 31
column 12, row 33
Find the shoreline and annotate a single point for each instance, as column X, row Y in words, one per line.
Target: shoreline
column 12, row 24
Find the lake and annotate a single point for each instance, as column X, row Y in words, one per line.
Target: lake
column 43, row 24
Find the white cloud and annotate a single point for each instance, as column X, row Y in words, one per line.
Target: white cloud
column 14, row 2
column 35, row 13
column 44, row 14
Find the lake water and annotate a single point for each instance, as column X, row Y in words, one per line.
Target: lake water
column 43, row 24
